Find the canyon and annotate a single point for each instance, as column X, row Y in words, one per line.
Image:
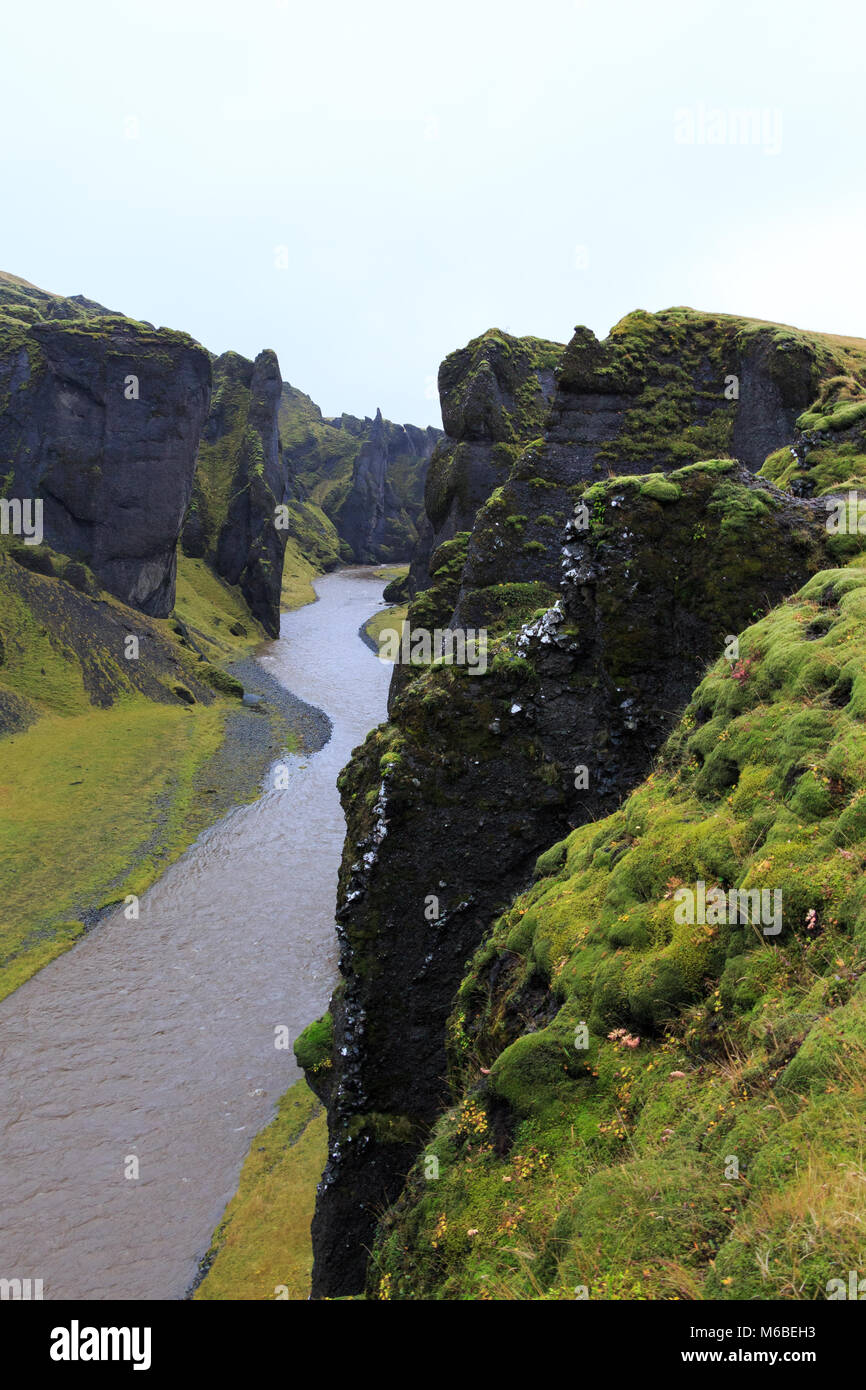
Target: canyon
column 613, row 514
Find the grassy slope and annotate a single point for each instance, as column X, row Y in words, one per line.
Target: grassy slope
column 615, row 1176
column 100, row 758
column 81, row 800
column 389, row 572
column 609, row 1168
column 95, row 802
column 108, row 762
column 262, row 1248
column 211, row 608
column 321, row 459
column 395, row 615
column 298, row 575
column 322, row 455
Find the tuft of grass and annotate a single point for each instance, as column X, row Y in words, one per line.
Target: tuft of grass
column 215, row 612
column 298, row 576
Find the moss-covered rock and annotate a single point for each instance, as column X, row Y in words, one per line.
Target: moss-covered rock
column 685, row 1122
column 313, row 1049
column 240, row 481
column 477, row 774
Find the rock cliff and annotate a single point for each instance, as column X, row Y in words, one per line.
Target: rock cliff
column 131, row 435
column 100, row 418
column 241, row 479
column 379, row 516
column 600, row 622
column 653, row 1098
column 360, row 480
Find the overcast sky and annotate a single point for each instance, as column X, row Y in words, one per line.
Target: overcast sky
column 364, row 185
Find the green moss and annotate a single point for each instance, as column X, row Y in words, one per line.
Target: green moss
column 433, row 607
column 386, row 1129
column 503, row 608
column 591, row 1142
column 314, row 1046
column 222, row 681
column 660, row 489
column 551, row 861
column 831, row 466
column 389, row 619
column 492, row 388
column 213, row 612
column 841, row 417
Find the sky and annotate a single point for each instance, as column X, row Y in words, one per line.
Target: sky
column 365, row 185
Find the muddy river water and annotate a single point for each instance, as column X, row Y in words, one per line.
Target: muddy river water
column 155, row 1040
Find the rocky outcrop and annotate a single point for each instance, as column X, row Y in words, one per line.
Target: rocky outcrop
column 100, row 418
column 828, row 453
column 663, row 390
column 599, row 622
column 380, row 514
column 241, row 480
column 363, row 477
column 495, row 396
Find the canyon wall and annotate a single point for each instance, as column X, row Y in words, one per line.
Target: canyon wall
column 100, row 418
column 599, row 625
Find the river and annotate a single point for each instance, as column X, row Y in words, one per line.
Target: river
column 155, row 1040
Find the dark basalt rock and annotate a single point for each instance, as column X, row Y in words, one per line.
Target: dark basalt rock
column 374, row 520
column 241, row 479
column 113, row 463
column 495, row 396
column 369, row 475
column 112, row 424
